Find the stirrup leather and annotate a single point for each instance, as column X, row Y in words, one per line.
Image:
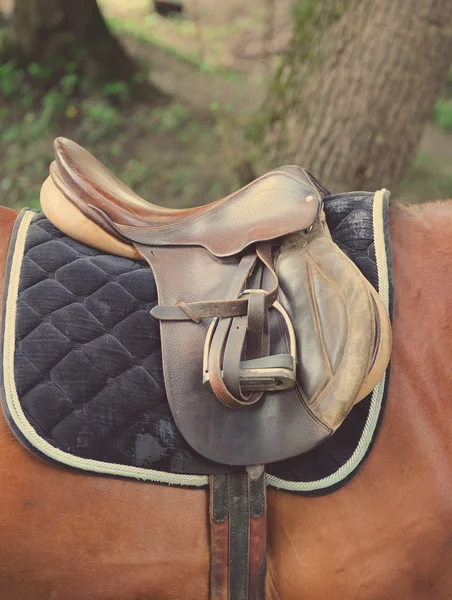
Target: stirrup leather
column 265, row 374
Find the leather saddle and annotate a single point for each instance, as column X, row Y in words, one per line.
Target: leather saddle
column 270, row 334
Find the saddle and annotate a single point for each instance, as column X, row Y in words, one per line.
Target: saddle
column 270, row 334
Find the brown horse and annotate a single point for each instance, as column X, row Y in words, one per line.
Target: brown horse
column 386, row 535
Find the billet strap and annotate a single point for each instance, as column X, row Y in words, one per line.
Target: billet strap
column 238, row 536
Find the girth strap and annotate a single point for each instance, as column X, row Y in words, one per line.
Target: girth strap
column 238, row 537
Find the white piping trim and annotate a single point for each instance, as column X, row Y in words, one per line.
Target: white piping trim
column 15, row 408
column 90, row 465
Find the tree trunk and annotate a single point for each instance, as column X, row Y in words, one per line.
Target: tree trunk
column 363, row 107
column 55, row 32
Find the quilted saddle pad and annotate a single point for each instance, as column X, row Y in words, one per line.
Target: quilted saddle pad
column 82, row 370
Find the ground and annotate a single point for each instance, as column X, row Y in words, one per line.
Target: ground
column 213, row 63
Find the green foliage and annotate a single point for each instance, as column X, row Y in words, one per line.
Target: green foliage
column 100, row 112
column 120, row 90
column 170, row 118
column 68, row 98
column 30, row 113
column 135, row 172
column 442, row 113
column 425, row 179
column 165, row 152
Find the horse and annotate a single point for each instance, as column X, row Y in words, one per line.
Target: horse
column 386, row 534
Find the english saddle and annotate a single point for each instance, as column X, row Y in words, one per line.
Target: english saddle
column 270, row 334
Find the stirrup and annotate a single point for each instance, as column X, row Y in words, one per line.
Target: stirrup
column 266, row 374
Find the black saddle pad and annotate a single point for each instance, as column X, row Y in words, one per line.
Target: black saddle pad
column 82, row 379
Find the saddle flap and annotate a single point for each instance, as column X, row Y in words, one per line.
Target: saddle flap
column 343, row 331
column 340, row 329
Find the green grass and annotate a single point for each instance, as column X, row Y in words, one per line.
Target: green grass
column 442, row 114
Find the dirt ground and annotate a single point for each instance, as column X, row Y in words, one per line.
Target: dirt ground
column 232, row 34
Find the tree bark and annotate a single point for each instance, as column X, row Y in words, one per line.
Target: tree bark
column 363, row 106
column 52, row 32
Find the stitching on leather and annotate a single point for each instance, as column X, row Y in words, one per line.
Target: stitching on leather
column 266, row 176
column 297, row 388
column 339, row 291
column 219, row 203
column 316, row 400
column 316, row 312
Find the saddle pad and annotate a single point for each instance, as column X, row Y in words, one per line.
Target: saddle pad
column 82, row 374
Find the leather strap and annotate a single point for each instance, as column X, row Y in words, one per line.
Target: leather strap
column 252, row 329
column 232, row 356
column 219, row 537
column 238, row 537
column 230, row 307
column 255, row 324
column 240, row 318
column 218, row 342
column 258, row 537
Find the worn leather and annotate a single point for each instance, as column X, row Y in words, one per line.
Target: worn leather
column 328, row 301
column 238, row 537
column 332, row 323
column 258, row 538
column 219, row 537
column 330, row 304
column 279, row 202
column 279, row 426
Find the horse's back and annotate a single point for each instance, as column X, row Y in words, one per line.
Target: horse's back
column 7, row 219
column 385, row 535
column 73, row 536
column 388, row 533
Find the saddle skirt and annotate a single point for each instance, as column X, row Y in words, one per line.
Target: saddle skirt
column 270, row 333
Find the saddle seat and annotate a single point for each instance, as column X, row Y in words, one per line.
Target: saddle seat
column 274, row 205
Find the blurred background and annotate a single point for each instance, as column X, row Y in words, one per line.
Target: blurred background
column 186, row 100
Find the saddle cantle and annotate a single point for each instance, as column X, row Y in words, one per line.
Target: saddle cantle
column 270, row 334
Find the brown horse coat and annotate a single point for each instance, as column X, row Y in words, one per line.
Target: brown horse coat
column 387, row 535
